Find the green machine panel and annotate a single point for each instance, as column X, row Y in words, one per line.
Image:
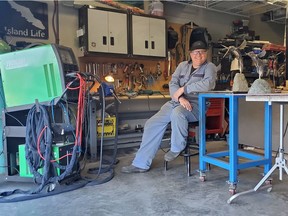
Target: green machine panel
column 58, row 152
column 2, row 158
column 35, row 73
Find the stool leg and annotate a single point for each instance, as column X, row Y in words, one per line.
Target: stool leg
column 197, row 135
column 165, row 165
column 188, row 165
column 187, row 159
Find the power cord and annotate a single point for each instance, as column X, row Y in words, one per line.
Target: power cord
column 109, row 170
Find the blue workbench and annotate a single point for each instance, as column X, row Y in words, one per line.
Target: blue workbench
column 233, row 152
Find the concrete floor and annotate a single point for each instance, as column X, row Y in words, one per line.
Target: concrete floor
column 159, row 193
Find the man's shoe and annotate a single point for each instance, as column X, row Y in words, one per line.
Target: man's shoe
column 132, row 169
column 169, row 156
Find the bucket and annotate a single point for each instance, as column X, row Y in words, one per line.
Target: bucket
column 156, row 8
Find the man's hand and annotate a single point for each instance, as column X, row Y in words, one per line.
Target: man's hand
column 178, row 93
column 185, row 103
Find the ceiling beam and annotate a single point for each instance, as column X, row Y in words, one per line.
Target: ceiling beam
column 211, row 9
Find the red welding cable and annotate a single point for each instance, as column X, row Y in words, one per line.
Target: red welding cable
column 38, row 142
column 38, row 148
column 77, row 118
column 78, row 125
column 80, row 112
column 80, row 108
column 70, row 88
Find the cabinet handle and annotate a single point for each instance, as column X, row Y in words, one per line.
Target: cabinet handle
column 112, row 41
column 104, row 40
column 146, row 44
column 152, row 44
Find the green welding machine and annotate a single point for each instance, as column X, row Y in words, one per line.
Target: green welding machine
column 59, row 151
column 37, row 73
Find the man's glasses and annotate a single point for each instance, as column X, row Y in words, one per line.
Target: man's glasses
column 202, row 52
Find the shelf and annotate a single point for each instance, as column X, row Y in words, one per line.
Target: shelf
column 16, row 178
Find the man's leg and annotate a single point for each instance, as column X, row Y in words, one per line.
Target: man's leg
column 179, row 125
column 154, row 130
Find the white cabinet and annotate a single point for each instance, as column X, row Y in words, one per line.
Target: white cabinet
column 107, row 32
column 148, row 36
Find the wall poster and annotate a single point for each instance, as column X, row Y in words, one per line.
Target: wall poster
column 24, row 19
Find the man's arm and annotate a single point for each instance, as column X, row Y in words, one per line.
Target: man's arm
column 174, row 85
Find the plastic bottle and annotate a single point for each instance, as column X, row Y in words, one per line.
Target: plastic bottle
column 156, row 8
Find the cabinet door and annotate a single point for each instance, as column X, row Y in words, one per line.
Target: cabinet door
column 97, row 31
column 157, row 38
column 117, row 41
column 148, row 36
column 140, row 33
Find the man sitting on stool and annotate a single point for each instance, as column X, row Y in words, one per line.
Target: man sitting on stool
column 190, row 77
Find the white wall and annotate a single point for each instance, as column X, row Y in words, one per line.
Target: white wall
column 68, row 27
column 220, row 24
column 269, row 31
column 252, row 114
column 68, row 19
column 217, row 24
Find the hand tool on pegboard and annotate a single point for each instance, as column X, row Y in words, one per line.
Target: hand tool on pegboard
column 186, row 30
column 167, row 69
column 179, row 54
column 169, row 63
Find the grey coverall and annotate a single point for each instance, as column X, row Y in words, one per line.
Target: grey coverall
column 200, row 80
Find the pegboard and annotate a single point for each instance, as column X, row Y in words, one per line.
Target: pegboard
column 129, row 74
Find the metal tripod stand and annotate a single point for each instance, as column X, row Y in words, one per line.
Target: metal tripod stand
column 280, row 162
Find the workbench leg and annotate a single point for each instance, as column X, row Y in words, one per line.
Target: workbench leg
column 268, row 136
column 233, row 142
column 202, row 136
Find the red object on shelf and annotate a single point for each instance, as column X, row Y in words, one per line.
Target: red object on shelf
column 274, row 47
column 214, row 117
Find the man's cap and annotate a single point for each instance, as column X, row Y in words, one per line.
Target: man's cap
column 198, row 45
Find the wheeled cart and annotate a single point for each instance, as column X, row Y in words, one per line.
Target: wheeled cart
column 234, row 153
